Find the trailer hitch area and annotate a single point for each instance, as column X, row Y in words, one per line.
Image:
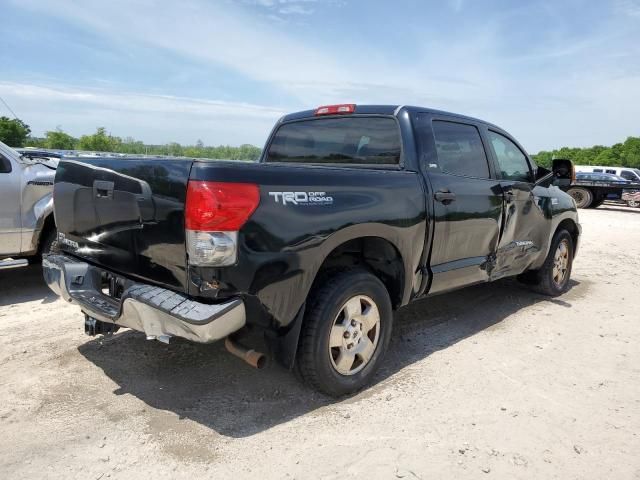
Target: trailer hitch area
column 93, row 327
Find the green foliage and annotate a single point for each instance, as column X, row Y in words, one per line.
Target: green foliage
column 101, row 141
column 13, row 132
column 625, row 154
column 59, row 140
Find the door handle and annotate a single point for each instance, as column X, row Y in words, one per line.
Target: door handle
column 444, row 196
column 508, row 194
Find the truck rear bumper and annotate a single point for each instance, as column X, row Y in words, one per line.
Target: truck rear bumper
column 158, row 312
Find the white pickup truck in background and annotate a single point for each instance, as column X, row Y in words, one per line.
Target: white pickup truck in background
column 27, row 227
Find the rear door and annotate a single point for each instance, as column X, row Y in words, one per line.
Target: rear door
column 525, row 229
column 467, row 202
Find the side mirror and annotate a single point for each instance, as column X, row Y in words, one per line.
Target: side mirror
column 562, row 173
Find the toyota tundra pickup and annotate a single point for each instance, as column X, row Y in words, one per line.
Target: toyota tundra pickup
column 350, row 213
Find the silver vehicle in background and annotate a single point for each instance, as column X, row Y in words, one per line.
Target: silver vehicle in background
column 27, row 227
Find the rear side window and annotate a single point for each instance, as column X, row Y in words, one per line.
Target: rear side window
column 460, row 150
column 350, row 140
column 512, row 162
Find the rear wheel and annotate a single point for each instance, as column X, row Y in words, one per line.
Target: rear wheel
column 553, row 278
column 345, row 334
column 581, row 196
column 633, row 203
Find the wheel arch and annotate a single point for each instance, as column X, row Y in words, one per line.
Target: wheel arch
column 376, row 254
column 570, row 226
column 349, row 248
column 48, row 226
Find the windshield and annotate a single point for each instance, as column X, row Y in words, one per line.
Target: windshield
column 350, row 140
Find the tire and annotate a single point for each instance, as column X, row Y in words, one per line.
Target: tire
column 337, row 356
column 582, row 196
column 47, row 241
column 633, row 203
column 597, row 203
column 551, row 279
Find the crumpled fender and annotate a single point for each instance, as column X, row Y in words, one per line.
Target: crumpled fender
column 37, row 204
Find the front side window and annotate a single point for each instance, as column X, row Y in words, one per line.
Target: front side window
column 627, row 175
column 460, row 150
column 512, row 162
column 349, row 140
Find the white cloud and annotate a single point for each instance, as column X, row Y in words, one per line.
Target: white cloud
column 295, row 9
column 542, row 91
column 628, row 7
column 285, row 7
column 152, row 118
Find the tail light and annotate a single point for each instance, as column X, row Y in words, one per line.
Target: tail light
column 214, row 213
column 336, row 109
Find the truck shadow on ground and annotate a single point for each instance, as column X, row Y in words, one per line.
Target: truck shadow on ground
column 207, row 385
column 24, row 285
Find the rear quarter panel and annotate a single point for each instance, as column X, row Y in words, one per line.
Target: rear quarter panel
column 283, row 245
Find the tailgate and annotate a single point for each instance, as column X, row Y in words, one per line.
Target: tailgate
column 125, row 214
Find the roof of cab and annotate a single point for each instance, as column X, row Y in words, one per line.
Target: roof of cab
column 386, row 110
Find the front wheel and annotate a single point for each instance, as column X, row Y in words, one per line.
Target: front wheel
column 345, row 333
column 633, row 203
column 553, row 278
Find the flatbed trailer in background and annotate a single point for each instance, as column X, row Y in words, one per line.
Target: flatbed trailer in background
column 593, row 193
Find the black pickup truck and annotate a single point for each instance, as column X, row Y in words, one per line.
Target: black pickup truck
column 351, row 213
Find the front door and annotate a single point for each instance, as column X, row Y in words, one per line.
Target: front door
column 467, row 207
column 523, row 231
column 10, row 216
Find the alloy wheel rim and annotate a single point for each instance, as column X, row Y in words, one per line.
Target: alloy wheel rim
column 561, row 263
column 354, row 335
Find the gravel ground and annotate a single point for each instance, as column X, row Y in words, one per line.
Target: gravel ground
column 490, row 382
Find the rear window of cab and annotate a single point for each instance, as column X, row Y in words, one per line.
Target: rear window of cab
column 348, row 140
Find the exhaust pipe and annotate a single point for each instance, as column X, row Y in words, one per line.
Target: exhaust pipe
column 253, row 358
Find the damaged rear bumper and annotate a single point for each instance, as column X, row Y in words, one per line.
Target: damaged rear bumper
column 158, row 312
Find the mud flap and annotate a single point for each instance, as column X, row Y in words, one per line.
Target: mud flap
column 283, row 346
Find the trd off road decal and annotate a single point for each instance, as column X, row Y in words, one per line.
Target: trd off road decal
column 302, row 198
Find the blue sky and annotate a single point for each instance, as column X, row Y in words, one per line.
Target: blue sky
column 552, row 73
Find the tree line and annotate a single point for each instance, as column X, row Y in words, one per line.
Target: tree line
column 625, row 154
column 16, row 133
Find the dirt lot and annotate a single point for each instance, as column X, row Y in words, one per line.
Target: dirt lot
column 493, row 382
